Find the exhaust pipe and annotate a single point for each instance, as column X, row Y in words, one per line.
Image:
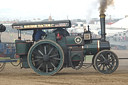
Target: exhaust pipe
column 102, row 23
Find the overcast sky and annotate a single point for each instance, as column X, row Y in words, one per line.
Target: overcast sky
column 59, row 9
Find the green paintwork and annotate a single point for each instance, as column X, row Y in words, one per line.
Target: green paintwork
column 51, row 36
column 76, row 55
column 24, row 62
column 22, row 47
column 91, row 48
column 70, row 40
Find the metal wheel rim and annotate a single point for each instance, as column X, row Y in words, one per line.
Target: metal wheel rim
column 106, row 62
column 44, row 67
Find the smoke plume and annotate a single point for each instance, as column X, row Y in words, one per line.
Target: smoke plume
column 104, row 4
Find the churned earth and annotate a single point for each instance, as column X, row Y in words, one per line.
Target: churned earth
column 15, row 76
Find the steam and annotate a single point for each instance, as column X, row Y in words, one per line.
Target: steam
column 94, row 4
column 104, row 4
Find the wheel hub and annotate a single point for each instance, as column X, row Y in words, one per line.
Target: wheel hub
column 106, row 62
column 46, row 58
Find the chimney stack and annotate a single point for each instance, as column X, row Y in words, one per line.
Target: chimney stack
column 102, row 23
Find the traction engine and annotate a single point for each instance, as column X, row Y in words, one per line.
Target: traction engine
column 58, row 49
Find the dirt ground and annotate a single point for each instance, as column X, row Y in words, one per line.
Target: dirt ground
column 16, row 76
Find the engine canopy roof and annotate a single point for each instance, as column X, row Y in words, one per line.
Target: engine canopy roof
column 42, row 25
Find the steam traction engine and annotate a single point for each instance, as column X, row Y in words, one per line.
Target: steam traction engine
column 58, row 49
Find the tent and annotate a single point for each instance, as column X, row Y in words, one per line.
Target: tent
column 123, row 23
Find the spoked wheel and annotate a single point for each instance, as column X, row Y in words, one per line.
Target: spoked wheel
column 16, row 63
column 106, row 62
column 46, row 57
column 2, row 65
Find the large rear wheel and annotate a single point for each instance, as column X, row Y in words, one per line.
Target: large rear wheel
column 46, row 57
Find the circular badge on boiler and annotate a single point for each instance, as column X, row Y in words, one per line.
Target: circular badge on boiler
column 78, row 39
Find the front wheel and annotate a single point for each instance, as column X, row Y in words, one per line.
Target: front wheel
column 106, row 62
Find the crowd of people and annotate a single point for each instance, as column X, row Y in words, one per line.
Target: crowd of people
column 120, row 38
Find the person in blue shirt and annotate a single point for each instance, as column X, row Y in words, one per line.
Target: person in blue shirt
column 38, row 34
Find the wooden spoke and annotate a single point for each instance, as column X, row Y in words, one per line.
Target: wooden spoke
column 54, row 55
column 46, row 68
column 40, row 66
column 103, row 57
column 45, row 50
column 53, row 65
column 57, row 59
column 50, row 51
